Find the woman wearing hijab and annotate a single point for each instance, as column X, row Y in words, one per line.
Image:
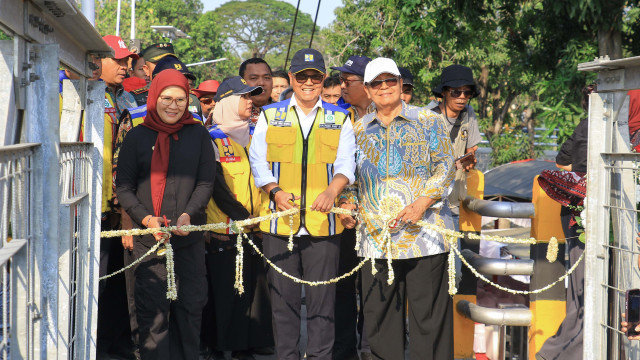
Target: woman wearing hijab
column 242, row 322
column 166, row 169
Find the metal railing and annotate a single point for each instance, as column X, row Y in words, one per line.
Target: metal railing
column 16, row 163
column 49, row 191
column 611, row 211
column 75, row 166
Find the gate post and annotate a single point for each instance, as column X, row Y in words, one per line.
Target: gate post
column 547, row 308
column 43, row 126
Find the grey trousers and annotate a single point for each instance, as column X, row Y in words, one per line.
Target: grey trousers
column 312, row 259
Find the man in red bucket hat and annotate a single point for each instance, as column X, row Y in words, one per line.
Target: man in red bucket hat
column 205, row 92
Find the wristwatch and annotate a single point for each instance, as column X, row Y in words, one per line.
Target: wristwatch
column 272, row 193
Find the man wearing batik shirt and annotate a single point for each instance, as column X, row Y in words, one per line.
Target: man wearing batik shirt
column 404, row 163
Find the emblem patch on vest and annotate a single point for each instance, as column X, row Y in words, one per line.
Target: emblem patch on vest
column 108, row 108
column 329, row 118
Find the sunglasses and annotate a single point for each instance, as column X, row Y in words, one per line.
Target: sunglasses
column 166, row 101
column 457, row 93
column 315, row 78
column 376, row 84
column 206, row 101
column 349, row 81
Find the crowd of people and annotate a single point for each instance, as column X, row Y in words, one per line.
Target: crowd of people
column 267, row 141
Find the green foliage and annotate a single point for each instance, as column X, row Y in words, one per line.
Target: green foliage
column 512, row 145
column 631, row 32
column 204, row 29
column 524, row 54
column 4, row 36
column 261, row 28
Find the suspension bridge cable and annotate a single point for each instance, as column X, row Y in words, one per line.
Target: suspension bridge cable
column 314, row 23
column 295, row 19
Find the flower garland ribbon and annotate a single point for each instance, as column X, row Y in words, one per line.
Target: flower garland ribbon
column 449, row 235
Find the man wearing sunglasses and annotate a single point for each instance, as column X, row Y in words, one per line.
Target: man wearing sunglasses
column 404, row 168
column 357, row 102
column 302, row 155
column 205, row 93
column 455, row 90
column 352, row 85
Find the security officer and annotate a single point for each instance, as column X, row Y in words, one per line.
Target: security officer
column 152, row 55
column 302, row 155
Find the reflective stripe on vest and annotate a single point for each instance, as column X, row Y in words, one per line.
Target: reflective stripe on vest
column 110, row 122
column 236, row 169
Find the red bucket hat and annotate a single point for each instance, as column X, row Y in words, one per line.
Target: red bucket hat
column 206, row 87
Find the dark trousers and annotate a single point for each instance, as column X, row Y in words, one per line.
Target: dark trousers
column 346, row 341
column 364, row 341
column 170, row 329
column 113, row 333
column 130, row 281
column 423, row 282
column 312, row 259
column 242, row 322
column 567, row 342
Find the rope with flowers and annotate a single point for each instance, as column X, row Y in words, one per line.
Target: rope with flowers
column 450, row 236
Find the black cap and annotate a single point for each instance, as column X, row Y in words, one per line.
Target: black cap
column 307, row 59
column 236, row 86
column 354, row 65
column 454, row 76
column 407, row 78
column 172, row 62
column 156, row 52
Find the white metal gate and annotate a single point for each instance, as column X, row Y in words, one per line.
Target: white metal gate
column 50, row 184
column 611, row 250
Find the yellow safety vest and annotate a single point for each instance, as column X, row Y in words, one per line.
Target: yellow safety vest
column 303, row 167
column 110, row 123
column 237, row 174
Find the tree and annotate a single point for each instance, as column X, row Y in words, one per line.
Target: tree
column 206, row 43
column 524, row 54
column 182, row 14
column 261, row 28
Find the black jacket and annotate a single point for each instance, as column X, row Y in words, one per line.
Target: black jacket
column 574, row 151
column 190, row 178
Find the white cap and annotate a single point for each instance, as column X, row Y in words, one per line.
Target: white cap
column 379, row 66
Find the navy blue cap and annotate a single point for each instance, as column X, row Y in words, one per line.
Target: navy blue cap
column 172, row 62
column 354, row 65
column 307, row 59
column 407, row 78
column 235, row 86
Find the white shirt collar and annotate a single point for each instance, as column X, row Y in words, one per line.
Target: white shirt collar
column 294, row 102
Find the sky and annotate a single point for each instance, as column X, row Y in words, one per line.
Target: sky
column 325, row 17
